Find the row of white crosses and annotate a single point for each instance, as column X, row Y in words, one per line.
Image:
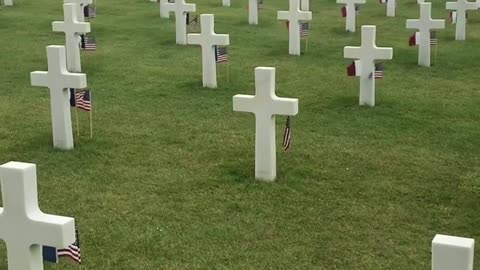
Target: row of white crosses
column 305, row 5
column 180, row 8
column 23, row 226
column 63, row 72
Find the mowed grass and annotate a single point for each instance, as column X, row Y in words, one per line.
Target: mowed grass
column 167, row 182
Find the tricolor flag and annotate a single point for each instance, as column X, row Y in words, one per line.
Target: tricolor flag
column 378, row 71
column 304, row 27
column 354, row 68
column 89, row 43
column 382, row 1
column 287, row 135
column 414, row 39
column 452, row 16
column 344, row 11
column 192, row 26
column 433, row 38
column 221, row 54
column 72, row 252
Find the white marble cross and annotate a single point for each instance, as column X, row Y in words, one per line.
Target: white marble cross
column 72, row 29
column 207, row 39
column 80, row 4
column 294, row 16
column 424, row 25
column 461, row 6
column 180, row 8
column 8, row 2
column 367, row 53
column 451, row 252
column 163, row 12
column 23, row 226
column 265, row 105
column 253, row 12
column 305, row 5
column 420, row 1
column 59, row 80
column 350, row 6
column 226, row 3
column 391, row 6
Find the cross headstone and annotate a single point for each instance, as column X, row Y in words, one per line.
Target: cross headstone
column 461, row 6
column 391, row 6
column 367, row 53
column 180, row 8
column 59, row 80
column 8, row 2
column 207, row 39
column 253, row 11
column 305, row 5
column 350, row 18
column 23, row 227
column 226, row 3
column 424, row 25
column 80, row 4
column 163, row 12
column 72, row 29
column 265, row 105
column 294, row 16
column 451, row 252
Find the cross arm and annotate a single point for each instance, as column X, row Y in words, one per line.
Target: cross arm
column 451, row 5
column 168, row 7
column 285, row 106
column 282, row 15
column 413, row 23
column 190, row 8
column 75, row 80
column 306, row 16
column 351, row 52
column 243, row 103
column 56, row 231
column 80, row 27
column 193, row 39
column 383, row 53
column 39, row 78
column 222, row 39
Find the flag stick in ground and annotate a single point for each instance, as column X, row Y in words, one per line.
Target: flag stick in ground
column 306, row 45
column 228, row 76
column 78, row 124
column 91, row 123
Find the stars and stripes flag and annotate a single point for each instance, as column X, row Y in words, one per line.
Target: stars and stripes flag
column 433, row 38
column 378, row 71
column 221, row 54
column 83, row 100
column 92, row 11
column 287, row 135
column 192, row 26
column 72, row 252
column 304, row 28
column 89, row 43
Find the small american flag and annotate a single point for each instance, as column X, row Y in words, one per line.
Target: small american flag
column 304, row 27
column 378, row 71
column 433, row 38
column 83, row 100
column 192, row 26
column 260, row 4
column 221, row 54
column 92, row 11
column 89, row 43
column 287, row 135
column 72, row 251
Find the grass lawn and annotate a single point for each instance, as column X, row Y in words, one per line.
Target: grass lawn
column 167, row 182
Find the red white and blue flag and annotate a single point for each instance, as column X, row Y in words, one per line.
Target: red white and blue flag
column 221, row 54
column 72, row 252
column 287, row 135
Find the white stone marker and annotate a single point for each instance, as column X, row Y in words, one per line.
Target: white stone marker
column 367, row 53
column 79, row 8
column 226, row 3
column 294, row 16
column 420, row 1
column 164, row 12
column 180, row 8
column 350, row 19
column 461, row 6
column 424, row 25
column 253, row 11
column 207, row 39
column 23, row 227
column 58, row 80
column 265, row 105
column 72, row 29
column 452, row 253
column 8, row 2
column 305, row 5
column 391, row 6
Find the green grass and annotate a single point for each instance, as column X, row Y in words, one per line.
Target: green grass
column 168, row 180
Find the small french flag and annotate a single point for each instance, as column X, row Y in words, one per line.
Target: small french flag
column 354, row 68
column 344, row 11
column 452, row 16
column 413, row 40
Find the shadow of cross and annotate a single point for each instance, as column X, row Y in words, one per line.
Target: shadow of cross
column 72, row 27
column 265, row 105
column 79, row 5
column 23, row 227
column 424, row 25
column 207, row 39
column 58, row 80
column 367, row 53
